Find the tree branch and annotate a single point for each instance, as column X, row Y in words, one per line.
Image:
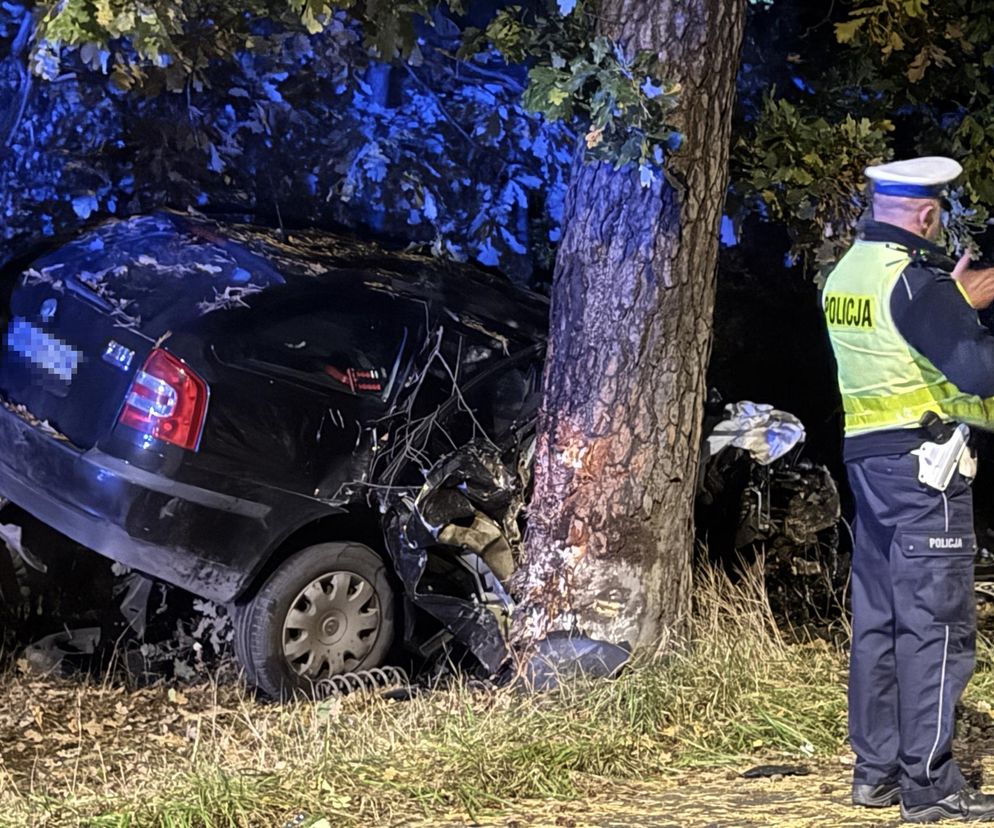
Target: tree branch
column 18, row 54
column 441, row 107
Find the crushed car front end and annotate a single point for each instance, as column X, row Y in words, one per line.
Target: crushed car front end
column 310, row 430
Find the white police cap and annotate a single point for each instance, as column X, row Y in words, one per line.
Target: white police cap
column 915, row 178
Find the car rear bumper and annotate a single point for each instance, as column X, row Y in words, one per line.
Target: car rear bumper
column 203, row 541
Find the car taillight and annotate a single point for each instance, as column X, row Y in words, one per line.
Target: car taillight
column 166, row 401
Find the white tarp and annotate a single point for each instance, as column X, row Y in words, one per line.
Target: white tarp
column 762, row 430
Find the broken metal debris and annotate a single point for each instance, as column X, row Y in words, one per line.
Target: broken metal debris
column 776, row 492
column 796, row 501
column 390, row 679
column 54, row 652
column 767, row 771
column 465, row 519
column 758, row 497
column 461, row 527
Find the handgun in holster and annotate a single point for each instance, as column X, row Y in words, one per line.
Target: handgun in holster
column 946, row 451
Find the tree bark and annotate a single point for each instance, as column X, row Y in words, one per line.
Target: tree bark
column 11, row 120
column 610, row 537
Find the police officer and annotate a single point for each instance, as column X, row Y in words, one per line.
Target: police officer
column 903, row 324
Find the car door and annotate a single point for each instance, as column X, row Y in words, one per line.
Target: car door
column 331, row 362
column 465, row 386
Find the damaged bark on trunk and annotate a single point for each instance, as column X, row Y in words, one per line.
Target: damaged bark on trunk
column 610, row 524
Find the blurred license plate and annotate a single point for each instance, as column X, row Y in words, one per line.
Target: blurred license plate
column 51, row 354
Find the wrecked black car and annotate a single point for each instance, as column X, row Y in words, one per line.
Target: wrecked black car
column 331, row 439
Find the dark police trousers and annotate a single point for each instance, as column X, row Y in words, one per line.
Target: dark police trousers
column 914, row 625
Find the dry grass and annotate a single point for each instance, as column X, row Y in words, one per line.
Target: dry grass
column 212, row 757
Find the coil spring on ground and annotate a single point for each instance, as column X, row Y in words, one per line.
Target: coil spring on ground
column 361, row 681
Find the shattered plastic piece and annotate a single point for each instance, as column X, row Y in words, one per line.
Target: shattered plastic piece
column 137, row 590
column 49, row 653
column 564, row 655
column 11, row 534
column 762, row 430
column 766, row 771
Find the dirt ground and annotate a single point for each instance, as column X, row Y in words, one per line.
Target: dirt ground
column 52, row 733
column 724, row 799
column 702, row 800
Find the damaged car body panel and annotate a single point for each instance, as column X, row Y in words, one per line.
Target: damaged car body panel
column 210, row 390
column 458, row 539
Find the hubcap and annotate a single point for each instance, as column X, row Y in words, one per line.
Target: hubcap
column 331, row 626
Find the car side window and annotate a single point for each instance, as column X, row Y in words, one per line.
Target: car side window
column 358, row 351
column 493, row 402
column 507, row 399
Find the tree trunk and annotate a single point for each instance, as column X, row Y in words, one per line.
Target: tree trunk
column 611, row 519
column 11, row 119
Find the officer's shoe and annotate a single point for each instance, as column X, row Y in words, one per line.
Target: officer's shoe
column 876, row 796
column 966, row 805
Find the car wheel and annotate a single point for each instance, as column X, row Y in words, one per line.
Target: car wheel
column 326, row 610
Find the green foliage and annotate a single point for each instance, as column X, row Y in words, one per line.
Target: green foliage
column 808, row 172
column 885, row 24
column 302, row 125
column 576, row 73
column 876, row 80
column 897, row 26
column 934, row 58
column 177, row 29
column 175, row 44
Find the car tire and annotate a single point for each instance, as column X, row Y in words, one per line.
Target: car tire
column 327, row 609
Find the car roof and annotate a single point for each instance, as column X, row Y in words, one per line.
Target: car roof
column 477, row 298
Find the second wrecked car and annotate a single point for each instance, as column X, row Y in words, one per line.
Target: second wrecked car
column 330, row 438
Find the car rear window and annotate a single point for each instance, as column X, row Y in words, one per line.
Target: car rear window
column 145, row 266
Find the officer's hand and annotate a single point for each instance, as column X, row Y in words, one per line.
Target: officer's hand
column 978, row 284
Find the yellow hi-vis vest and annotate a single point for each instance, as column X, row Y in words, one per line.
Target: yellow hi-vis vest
column 885, row 383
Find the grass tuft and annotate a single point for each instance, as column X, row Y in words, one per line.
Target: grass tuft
column 212, row 757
